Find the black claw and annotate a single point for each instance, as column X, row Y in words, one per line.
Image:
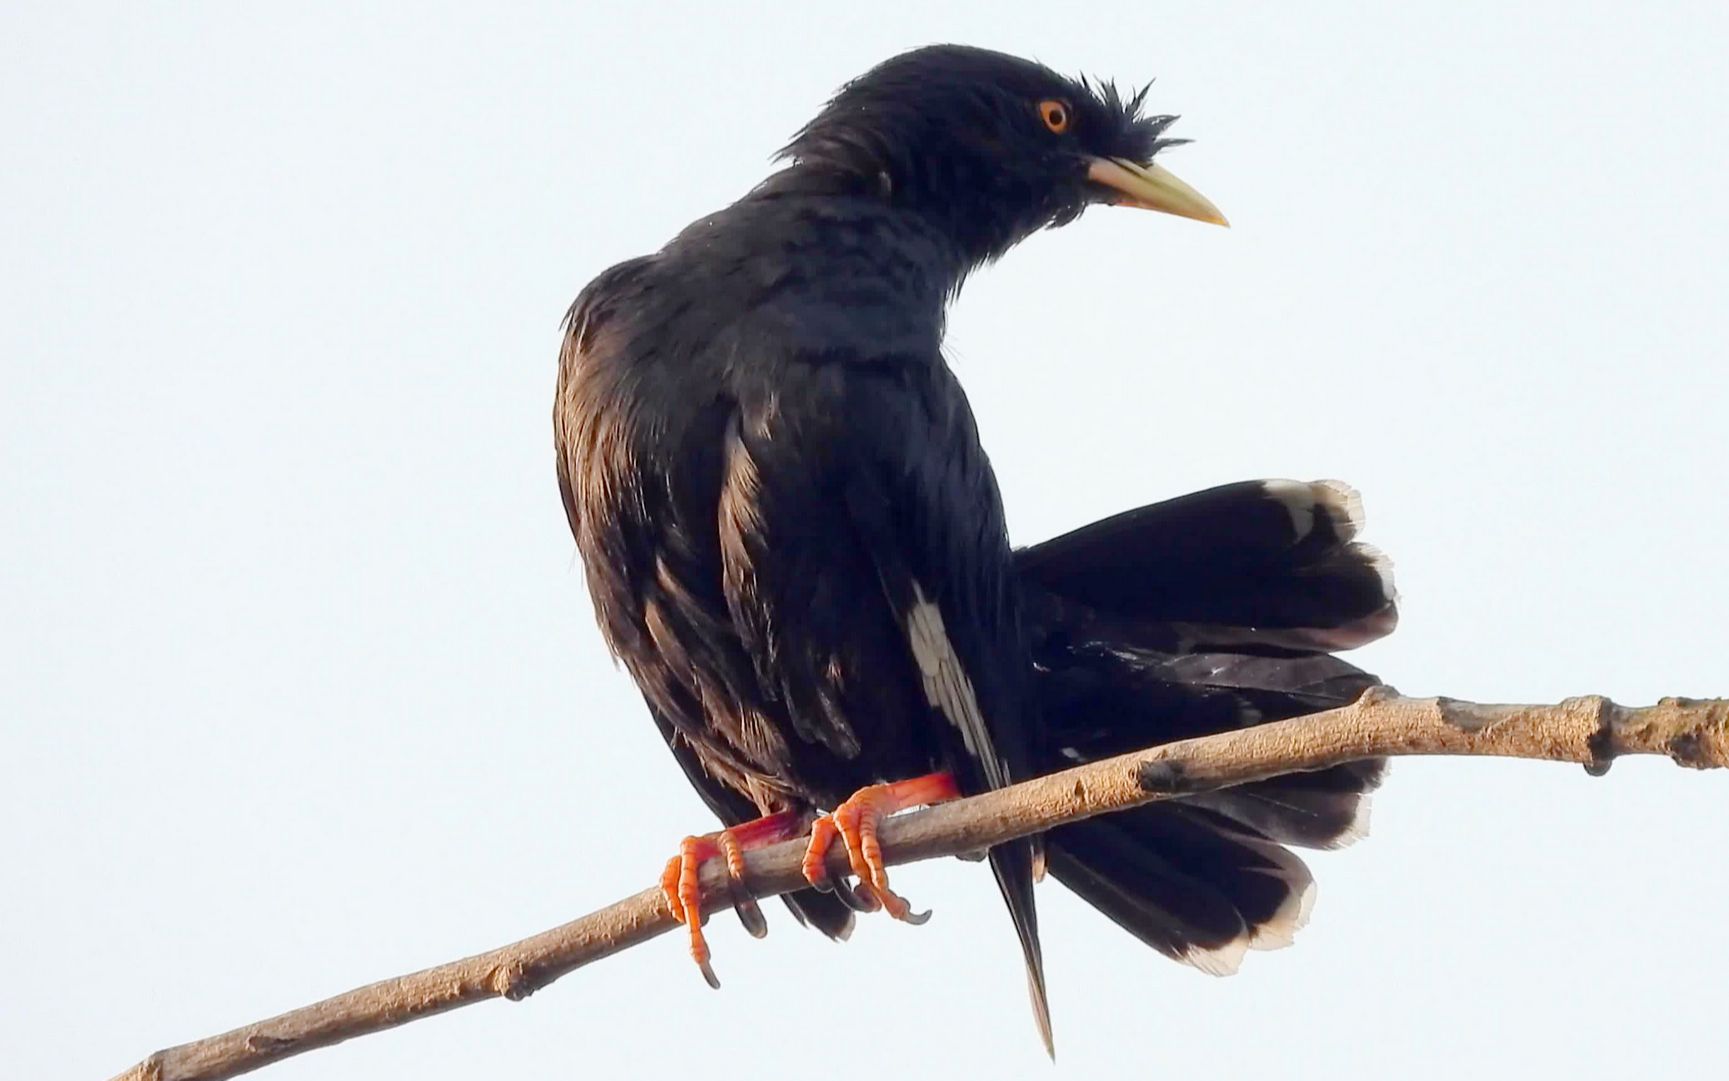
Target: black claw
column 852, row 898
column 750, row 914
column 917, row 919
column 708, row 974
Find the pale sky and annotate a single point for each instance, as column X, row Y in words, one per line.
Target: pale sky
column 301, row 689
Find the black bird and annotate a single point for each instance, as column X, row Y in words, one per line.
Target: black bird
column 792, row 537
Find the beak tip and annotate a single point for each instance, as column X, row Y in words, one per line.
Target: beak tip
column 1153, row 187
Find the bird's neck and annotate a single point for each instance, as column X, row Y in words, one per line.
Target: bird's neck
column 944, row 211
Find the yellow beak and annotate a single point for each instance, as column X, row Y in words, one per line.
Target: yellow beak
column 1152, row 187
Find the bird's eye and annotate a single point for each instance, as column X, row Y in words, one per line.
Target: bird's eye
column 1055, row 114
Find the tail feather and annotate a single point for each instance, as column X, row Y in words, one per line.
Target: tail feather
column 1013, row 865
column 823, row 911
column 1259, row 566
column 1186, row 883
column 1208, row 613
column 1285, row 811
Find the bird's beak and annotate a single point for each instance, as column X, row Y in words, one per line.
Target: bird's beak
column 1152, row 187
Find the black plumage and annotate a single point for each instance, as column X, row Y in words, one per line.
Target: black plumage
column 792, row 537
column 1202, row 614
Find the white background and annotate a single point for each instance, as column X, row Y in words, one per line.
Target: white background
column 300, row 688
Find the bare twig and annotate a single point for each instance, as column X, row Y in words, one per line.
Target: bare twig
column 1590, row 731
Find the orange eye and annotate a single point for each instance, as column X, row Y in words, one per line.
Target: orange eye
column 1055, row 114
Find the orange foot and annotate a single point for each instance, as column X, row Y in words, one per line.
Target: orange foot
column 857, row 822
column 681, row 882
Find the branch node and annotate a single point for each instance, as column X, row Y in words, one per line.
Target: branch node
column 1380, row 694
column 1688, row 749
column 263, row 1041
column 510, row 980
column 1165, row 777
column 1601, row 742
column 1705, row 744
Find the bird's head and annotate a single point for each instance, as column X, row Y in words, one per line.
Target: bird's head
column 992, row 147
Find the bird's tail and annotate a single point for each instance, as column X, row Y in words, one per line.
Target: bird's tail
column 1013, row 866
column 1202, row 614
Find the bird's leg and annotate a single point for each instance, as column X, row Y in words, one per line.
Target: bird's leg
column 857, row 821
column 681, row 882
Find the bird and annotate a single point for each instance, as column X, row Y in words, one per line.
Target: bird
column 791, row 536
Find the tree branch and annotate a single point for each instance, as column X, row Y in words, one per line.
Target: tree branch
column 1589, row 731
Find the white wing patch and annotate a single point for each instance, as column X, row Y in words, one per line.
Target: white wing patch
column 947, row 687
